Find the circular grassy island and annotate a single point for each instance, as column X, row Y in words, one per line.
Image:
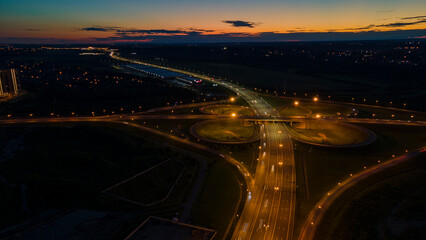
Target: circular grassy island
column 230, row 131
column 331, row 134
column 227, row 110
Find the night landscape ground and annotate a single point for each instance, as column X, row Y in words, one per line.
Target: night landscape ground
column 272, row 120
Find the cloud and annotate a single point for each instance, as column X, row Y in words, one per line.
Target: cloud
column 361, row 28
column 146, row 32
column 150, row 31
column 239, row 23
column 415, row 17
column 99, row 29
column 401, row 24
column 419, row 20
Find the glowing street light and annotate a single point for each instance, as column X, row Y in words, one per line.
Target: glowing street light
column 315, row 99
column 232, row 99
column 233, row 114
column 318, row 116
column 296, row 103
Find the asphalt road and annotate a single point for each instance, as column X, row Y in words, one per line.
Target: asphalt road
column 270, row 207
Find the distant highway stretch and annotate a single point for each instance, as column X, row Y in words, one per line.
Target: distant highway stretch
column 315, row 216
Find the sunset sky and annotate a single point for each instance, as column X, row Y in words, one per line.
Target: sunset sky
column 108, row 21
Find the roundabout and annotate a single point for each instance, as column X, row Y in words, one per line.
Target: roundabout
column 331, row 134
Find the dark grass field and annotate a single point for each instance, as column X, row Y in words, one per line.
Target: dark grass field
column 325, row 167
column 152, row 186
column 218, row 199
column 68, row 166
column 390, row 207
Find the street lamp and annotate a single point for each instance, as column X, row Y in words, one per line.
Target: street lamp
column 296, row 103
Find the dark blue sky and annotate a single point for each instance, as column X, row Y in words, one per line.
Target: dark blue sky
column 92, row 21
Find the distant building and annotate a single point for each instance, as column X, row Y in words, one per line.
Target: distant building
column 9, row 82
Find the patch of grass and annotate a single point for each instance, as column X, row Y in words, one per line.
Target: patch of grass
column 217, row 202
column 323, row 132
column 383, row 113
column 151, row 186
column 327, row 109
column 228, row 110
column 292, row 110
column 227, row 130
column 247, row 154
column 388, row 208
column 277, row 101
column 177, row 127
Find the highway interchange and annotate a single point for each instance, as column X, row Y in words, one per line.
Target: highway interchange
column 269, row 210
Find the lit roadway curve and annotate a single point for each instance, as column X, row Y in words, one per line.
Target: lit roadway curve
column 317, row 213
column 269, row 211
